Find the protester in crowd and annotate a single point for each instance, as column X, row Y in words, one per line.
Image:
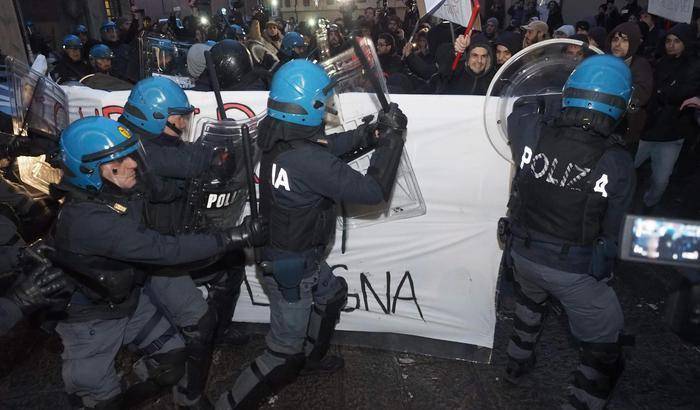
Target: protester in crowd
column 535, row 32
column 394, row 28
column 608, row 15
column 272, row 36
column 491, row 31
column 388, row 58
column 630, row 10
column 517, row 13
column 625, row 40
column 574, row 51
column 473, row 76
column 263, row 53
column 336, row 40
column 676, row 78
column 497, row 10
column 531, row 11
column 582, row 27
column 653, row 42
column 597, row 37
column 564, row 31
column 196, row 64
column 507, row 45
column 554, row 18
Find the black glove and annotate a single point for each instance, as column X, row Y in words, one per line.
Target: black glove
column 250, row 233
column 392, row 120
column 38, row 288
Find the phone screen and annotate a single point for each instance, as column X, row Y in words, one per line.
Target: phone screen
column 661, row 240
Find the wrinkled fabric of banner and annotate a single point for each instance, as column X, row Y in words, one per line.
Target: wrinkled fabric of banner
column 425, row 284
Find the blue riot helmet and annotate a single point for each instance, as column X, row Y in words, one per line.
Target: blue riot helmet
column 101, row 58
column 80, row 29
column 235, row 32
column 299, row 92
column 100, row 51
column 291, row 41
column 108, row 25
column 90, row 142
column 72, row 41
column 109, row 31
column 602, row 83
column 151, row 102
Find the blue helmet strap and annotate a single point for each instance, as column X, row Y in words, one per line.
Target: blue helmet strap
column 175, row 129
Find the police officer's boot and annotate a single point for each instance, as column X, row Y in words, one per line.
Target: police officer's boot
column 527, row 328
column 265, row 376
column 595, row 378
column 223, row 296
column 199, row 346
column 319, row 333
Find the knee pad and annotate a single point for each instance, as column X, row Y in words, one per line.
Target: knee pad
column 322, row 322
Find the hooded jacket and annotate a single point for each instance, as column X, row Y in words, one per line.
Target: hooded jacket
column 642, row 80
column 510, row 40
column 675, row 80
column 464, row 81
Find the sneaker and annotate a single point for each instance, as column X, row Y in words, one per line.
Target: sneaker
column 327, row 365
column 516, row 369
column 231, row 337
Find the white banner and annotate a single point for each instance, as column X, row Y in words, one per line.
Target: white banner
column 674, row 10
column 432, row 276
column 456, row 11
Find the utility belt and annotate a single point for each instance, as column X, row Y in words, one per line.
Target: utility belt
column 599, row 256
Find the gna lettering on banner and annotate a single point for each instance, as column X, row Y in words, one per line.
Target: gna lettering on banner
column 388, row 307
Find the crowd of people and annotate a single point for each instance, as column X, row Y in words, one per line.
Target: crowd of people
column 136, row 178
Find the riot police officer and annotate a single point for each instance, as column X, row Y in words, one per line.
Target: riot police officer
column 103, row 244
column 573, row 183
column 302, row 180
column 159, row 111
column 101, row 57
column 293, row 46
column 71, row 67
column 234, row 69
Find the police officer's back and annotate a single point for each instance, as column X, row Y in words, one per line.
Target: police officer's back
column 573, row 183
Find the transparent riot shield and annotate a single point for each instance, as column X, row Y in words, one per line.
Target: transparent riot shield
column 163, row 57
column 531, row 82
column 40, row 105
column 219, row 198
column 37, row 103
column 356, row 102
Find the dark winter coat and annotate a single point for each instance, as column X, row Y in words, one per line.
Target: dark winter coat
column 676, row 79
column 642, row 80
column 464, row 81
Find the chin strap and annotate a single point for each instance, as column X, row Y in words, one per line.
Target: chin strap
column 175, row 129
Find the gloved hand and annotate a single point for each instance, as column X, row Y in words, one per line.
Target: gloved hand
column 392, row 120
column 38, row 288
column 250, row 233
